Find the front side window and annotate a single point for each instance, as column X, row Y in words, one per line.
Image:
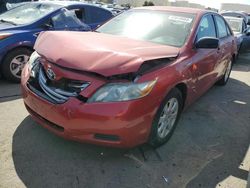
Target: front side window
column 206, row 28
column 28, row 13
column 162, row 27
column 65, row 19
column 221, row 26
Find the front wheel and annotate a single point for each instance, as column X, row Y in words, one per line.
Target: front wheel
column 166, row 118
column 223, row 81
column 14, row 62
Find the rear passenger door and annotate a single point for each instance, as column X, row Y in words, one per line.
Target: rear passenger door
column 226, row 43
column 246, row 39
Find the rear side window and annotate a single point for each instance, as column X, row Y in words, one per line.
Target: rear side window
column 98, row 15
column 80, row 14
column 221, row 27
column 206, row 28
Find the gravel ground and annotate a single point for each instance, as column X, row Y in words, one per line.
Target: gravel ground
column 210, row 147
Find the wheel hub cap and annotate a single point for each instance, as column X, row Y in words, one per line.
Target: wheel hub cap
column 168, row 117
column 17, row 64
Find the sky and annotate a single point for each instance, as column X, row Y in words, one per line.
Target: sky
column 217, row 3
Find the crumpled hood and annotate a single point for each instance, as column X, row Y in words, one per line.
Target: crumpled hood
column 100, row 53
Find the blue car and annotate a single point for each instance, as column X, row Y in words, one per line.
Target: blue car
column 20, row 26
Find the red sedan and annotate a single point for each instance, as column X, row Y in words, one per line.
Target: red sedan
column 127, row 83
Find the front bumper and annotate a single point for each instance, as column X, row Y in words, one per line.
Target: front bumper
column 118, row 124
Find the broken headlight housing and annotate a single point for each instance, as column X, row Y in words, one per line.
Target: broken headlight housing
column 114, row 92
column 33, row 64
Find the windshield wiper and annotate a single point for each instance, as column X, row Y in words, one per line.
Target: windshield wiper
column 7, row 21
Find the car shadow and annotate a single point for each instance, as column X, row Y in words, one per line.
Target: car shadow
column 242, row 62
column 207, row 147
column 225, row 136
column 9, row 91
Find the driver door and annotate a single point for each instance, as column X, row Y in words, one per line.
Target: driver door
column 205, row 60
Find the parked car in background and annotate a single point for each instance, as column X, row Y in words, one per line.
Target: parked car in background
column 14, row 5
column 128, row 82
column 240, row 30
column 7, row 4
column 237, row 14
column 114, row 8
column 2, row 7
column 20, row 26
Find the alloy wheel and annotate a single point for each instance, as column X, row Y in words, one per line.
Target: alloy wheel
column 168, row 117
column 17, row 64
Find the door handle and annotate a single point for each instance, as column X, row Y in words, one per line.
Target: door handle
column 218, row 50
column 221, row 50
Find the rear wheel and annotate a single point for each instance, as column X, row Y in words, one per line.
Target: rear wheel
column 166, row 118
column 14, row 62
column 223, row 81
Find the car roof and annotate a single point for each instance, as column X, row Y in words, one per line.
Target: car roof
column 233, row 18
column 235, row 12
column 175, row 9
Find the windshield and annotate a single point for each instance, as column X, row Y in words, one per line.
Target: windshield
column 167, row 28
column 235, row 24
column 28, row 13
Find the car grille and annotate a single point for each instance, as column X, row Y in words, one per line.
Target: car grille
column 59, row 95
column 58, row 91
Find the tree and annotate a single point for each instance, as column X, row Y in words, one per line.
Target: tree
column 148, row 3
column 145, row 3
column 107, row 1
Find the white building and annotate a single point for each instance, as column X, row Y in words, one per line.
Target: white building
column 138, row 3
column 183, row 3
column 235, row 7
column 177, row 3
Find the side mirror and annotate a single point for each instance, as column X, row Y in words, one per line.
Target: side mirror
column 207, row 42
column 47, row 26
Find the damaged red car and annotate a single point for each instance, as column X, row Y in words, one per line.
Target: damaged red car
column 128, row 82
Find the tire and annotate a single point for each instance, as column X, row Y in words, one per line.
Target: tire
column 223, row 81
column 157, row 138
column 13, row 64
